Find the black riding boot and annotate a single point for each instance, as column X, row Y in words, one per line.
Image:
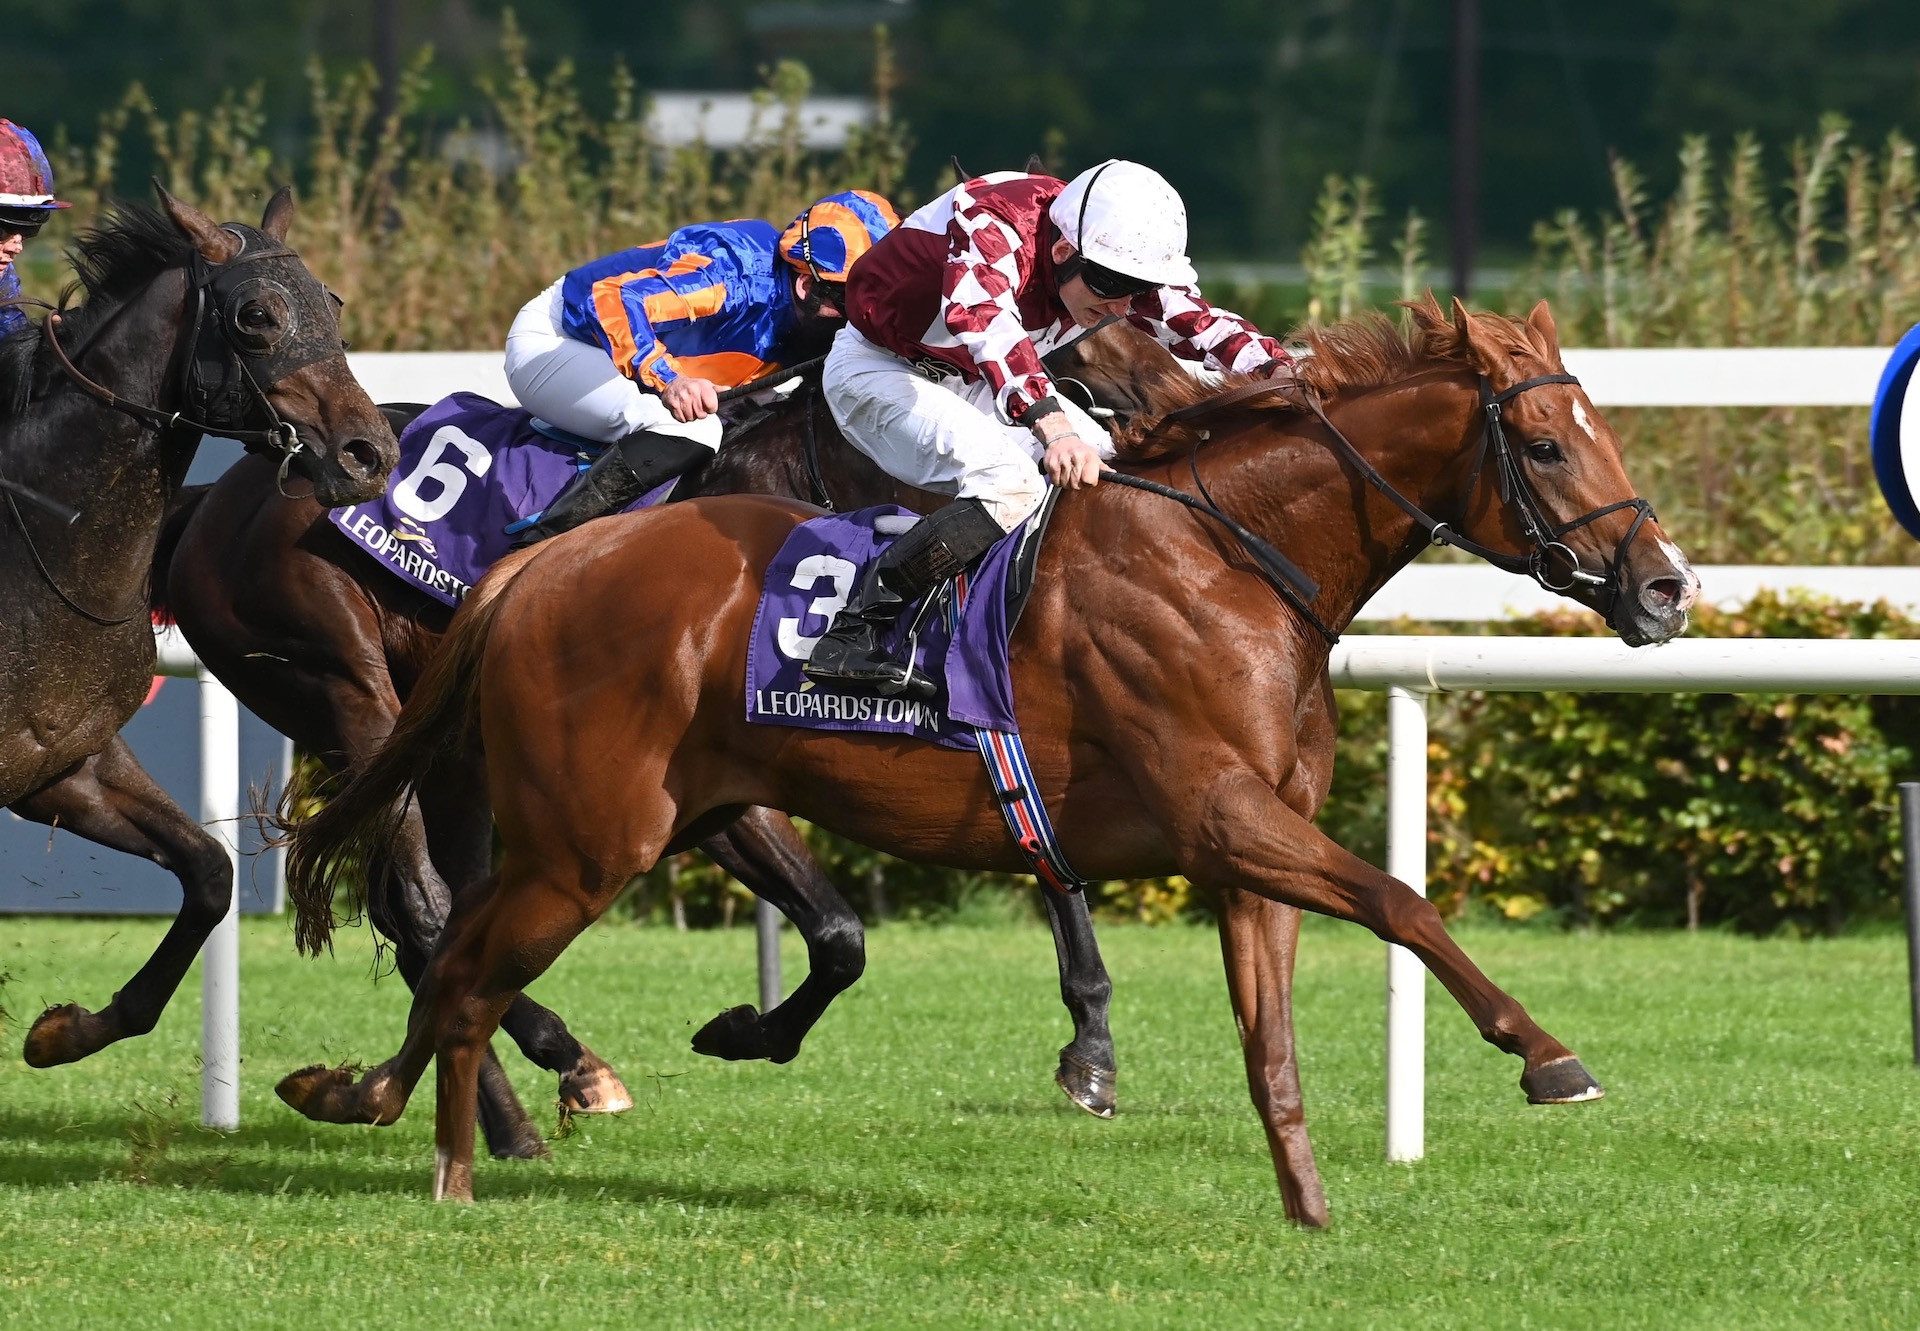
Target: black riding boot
column 624, row 471
column 926, row 555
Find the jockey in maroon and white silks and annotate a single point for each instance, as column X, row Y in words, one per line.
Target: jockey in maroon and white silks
column 968, row 282
column 938, row 377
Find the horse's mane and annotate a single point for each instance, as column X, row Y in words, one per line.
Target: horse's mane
column 1352, row 356
column 111, row 262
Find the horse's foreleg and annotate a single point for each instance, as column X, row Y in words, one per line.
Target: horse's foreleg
column 1257, row 940
column 1238, row 834
column 1087, row 1072
column 111, row 800
column 764, row 851
column 459, row 828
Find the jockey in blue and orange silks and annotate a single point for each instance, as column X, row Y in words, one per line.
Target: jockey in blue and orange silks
column 633, row 349
column 26, row 202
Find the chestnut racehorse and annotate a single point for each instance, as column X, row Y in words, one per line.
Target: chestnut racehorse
column 1177, row 712
column 325, row 644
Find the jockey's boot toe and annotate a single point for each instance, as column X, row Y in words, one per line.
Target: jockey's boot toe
column 851, row 654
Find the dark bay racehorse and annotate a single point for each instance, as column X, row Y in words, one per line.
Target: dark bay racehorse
column 186, row 326
column 324, row 644
column 1177, row 711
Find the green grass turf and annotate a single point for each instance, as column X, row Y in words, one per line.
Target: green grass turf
column 1754, row 1163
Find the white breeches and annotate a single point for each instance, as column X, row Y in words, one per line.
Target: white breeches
column 945, row 436
column 575, row 386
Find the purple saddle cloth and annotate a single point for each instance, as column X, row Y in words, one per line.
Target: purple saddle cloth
column 964, row 653
column 468, row 468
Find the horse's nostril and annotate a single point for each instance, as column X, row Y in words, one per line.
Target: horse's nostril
column 1661, row 594
column 364, row 456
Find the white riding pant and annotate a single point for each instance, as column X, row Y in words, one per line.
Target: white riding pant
column 941, row 436
column 575, row 385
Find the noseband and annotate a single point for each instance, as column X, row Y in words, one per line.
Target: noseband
column 225, row 370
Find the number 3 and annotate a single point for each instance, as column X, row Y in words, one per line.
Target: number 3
column 806, row 575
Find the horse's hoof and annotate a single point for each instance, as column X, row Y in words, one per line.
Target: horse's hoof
column 65, row 1034
column 591, row 1088
column 1087, row 1086
column 1561, row 1082
column 331, row 1095
column 524, row 1143
column 734, row 1035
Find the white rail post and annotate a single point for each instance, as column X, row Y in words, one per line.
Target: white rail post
column 766, row 927
column 220, row 959
column 1406, row 977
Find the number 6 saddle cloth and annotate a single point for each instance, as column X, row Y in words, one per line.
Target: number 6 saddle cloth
column 468, row 468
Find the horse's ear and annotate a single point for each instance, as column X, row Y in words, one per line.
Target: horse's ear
column 1489, row 350
column 960, row 174
column 1428, row 317
column 214, row 244
column 279, row 214
column 1540, row 324
column 1035, row 166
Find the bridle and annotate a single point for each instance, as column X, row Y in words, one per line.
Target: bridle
column 222, row 372
column 1544, row 535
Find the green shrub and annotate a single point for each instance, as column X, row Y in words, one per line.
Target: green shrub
column 1762, row 812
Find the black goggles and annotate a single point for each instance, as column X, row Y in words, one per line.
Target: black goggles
column 1104, row 283
column 26, row 221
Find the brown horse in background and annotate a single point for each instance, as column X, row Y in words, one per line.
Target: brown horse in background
column 1177, row 713
column 324, row 643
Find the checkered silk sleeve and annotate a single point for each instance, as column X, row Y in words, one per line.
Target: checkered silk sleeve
column 983, row 272
column 1181, row 321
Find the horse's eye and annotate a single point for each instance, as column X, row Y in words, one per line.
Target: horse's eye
column 256, row 316
column 1545, row 450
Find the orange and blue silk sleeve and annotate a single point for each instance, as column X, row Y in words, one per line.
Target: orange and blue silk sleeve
column 634, row 308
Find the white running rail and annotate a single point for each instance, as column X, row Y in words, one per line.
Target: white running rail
column 1410, row 668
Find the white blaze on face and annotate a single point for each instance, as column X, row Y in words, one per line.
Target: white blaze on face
column 1580, row 419
column 1690, row 589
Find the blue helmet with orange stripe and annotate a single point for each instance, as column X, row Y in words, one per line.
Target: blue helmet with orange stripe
column 833, row 232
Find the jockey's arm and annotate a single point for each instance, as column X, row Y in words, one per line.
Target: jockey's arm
column 631, row 310
column 978, row 308
column 1182, row 321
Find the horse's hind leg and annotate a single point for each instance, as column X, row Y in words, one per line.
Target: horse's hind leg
column 510, row 1133
column 459, row 826
column 1257, row 940
column 504, row 946
column 764, row 851
column 1086, row 1072
column 111, row 800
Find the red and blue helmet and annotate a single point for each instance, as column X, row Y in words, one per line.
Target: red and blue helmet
column 26, row 180
column 826, row 239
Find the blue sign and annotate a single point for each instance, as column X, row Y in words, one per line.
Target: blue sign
column 1896, row 433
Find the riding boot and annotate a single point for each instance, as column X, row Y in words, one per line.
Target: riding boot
column 926, row 555
column 625, row 470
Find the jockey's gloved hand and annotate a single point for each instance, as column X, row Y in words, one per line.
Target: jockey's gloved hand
column 690, row 398
column 1284, row 372
column 1072, row 461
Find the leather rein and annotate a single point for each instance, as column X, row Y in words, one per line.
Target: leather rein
column 1516, row 491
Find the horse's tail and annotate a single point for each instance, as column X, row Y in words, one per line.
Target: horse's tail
column 355, row 825
column 172, row 527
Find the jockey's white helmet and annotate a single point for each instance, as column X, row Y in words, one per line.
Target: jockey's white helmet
column 1125, row 216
